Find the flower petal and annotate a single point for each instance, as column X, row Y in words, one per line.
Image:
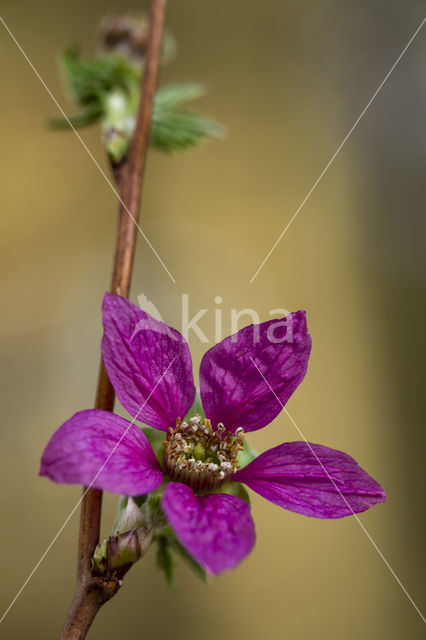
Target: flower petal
column 311, row 479
column 216, row 529
column 137, row 351
column 232, row 389
column 100, row 449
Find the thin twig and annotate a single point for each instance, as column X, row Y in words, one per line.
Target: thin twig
column 92, row 592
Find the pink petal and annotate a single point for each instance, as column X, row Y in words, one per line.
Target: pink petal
column 100, row 449
column 232, row 389
column 216, row 529
column 148, row 363
column 296, row 476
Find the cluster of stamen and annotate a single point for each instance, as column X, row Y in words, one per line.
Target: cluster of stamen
column 200, row 456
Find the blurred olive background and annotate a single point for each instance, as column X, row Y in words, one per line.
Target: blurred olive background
column 288, row 79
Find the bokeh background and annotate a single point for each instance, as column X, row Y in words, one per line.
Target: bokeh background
column 288, row 79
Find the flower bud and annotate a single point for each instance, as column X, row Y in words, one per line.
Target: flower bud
column 121, row 551
column 118, row 124
column 131, row 515
column 126, row 35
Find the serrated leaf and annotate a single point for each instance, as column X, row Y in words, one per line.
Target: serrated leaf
column 175, row 95
column 174, row 130
column 78, row 120
column 95, row 83
column 89, row 80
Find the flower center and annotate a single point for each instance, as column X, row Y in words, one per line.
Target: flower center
column 199, row 456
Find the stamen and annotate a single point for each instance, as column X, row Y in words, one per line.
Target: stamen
column 198, row 455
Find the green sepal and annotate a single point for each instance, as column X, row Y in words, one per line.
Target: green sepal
column 166, row 560
column 246, row 455
column 156, row 439
column 199, row 571
column 157, row 519
column 197, row 407
column 174, row 547
column 235, row 489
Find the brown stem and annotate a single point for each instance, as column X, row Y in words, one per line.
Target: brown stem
column 92, row 592
column 88, row 599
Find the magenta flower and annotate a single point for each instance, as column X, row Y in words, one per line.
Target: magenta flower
column 150, row 367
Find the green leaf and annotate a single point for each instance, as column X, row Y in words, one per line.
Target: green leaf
column 168, row 47
column 175, row 130
column 89, row 80
column 96, row 86
column 175, row 95
column 78, row 120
